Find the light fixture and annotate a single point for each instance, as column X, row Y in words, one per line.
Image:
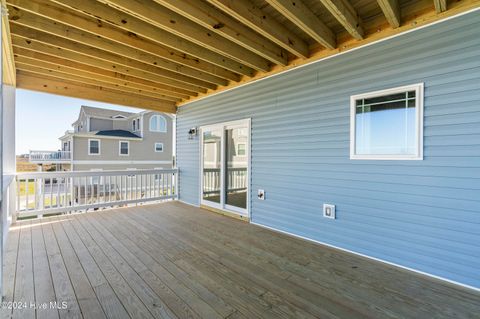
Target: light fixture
column 192, row 133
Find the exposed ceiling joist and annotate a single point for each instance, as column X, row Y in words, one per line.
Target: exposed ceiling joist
column 391, row 10
column 60, row 72
column 32, row 81
column 96, row 73
column 346, row 14
column 8, row 63
column 164, row 43
column 440, row 5
column 56, row 37
column 176, row 24
column 42, row 42
column 71, row 26
column 297, row 12
column 253, row 17
column 215, row 20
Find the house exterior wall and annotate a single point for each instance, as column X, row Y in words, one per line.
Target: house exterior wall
column 100, row 124
column 141, row 152
column 424, row 215
column 8, row 143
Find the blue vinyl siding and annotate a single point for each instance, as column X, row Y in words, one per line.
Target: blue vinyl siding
column 419, row 214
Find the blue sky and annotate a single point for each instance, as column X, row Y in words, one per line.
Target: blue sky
column 42, row 118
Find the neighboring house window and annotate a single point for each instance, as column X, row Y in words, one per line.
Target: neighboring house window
column 123, row 148
column 158, row 147
column 158, row 124
column 241, row 149
column 93, row 147
column 136, row 125
column 387, row 124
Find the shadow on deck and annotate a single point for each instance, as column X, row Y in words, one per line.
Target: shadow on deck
column 171, row 260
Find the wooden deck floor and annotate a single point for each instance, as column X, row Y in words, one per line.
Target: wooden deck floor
column 174, row 261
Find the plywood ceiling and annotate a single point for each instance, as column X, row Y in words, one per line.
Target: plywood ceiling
column 159, row 54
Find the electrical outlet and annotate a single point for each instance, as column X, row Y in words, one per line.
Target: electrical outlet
column 261, row 194
column 329, row 211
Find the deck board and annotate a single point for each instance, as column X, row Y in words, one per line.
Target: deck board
column 172, row 260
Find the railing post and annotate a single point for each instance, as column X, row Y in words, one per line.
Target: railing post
column 176, row 184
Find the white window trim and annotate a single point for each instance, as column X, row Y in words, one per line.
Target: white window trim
column 99, row 146
column 155, row 147
column 418, row 88
column 120, row 148
column 158, row 131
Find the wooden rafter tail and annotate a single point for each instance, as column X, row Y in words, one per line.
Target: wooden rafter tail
column 346, row 15
column 440, row 5
column 255, row 18
column 391, row 10
column 31, row 81
column 297, row 12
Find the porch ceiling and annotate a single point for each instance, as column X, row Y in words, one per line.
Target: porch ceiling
column 159, row 54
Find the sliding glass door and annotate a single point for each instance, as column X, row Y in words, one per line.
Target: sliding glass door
column 225, row 164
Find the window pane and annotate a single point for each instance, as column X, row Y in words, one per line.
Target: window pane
column 124, row 148
column 158, row 147
column 386, row 125
column 94, row 147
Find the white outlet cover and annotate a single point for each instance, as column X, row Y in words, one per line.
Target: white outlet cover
column 329, row 211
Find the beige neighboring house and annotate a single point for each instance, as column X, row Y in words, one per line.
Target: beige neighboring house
column 113, row 140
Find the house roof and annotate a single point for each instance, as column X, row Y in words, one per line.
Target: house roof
column 117, row 133
column 105, row 113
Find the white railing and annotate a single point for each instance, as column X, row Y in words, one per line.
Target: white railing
column 236, row 178
column 50, row 156
column 59, row 192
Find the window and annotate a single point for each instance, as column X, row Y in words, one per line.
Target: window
column 388, row 124
column 158, row 147
column 136, row 125
column 241, row 150
column 158, row 124
column 158, row 177
column 123, row 148
column 93, row 147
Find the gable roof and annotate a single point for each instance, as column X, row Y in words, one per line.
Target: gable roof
column 117, row 133
column 104, row 113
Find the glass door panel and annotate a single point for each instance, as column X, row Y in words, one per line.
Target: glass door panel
column 212, row 165
column 236, row 165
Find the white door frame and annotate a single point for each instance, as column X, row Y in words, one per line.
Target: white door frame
column 223, row 126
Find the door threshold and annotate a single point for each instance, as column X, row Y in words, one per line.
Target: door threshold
column 226, row 213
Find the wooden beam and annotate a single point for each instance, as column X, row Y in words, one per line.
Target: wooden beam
column 391, row 10
column 297, row 12
column 41, row 42
column 49, row 19
column 254, row 17
column 31, row 81
column 94, row 72
column 188, row 30
column 216, row 21
column 63, row 73
column 166, row 46
column 8, row 64
column 440, row 5
column 346, row 14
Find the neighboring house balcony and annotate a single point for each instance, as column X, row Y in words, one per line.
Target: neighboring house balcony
column 50, row 157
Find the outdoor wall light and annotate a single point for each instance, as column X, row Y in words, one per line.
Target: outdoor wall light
column 192, row 133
